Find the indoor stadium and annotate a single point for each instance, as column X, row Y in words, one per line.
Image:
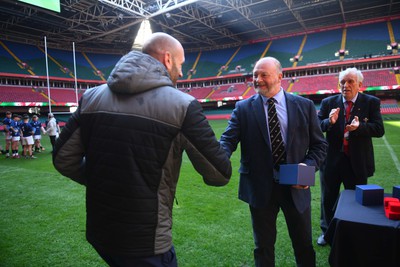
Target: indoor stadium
column 53, row 51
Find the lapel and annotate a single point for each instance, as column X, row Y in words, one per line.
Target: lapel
column 292, row 110
column 259, row 112
column 341, row 119
column 357, row 106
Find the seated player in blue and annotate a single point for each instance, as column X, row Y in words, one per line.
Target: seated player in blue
column 27, row 138
column 15, row 128
column 37, row 136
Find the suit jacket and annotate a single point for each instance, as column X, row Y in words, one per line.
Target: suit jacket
column 361, row 151
column 248, row 125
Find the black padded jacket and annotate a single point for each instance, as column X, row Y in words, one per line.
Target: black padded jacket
column 125, row 144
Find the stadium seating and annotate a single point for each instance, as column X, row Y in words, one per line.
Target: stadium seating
column 284, row 49
column 200, row 92
column 63, row 95
column 389, row 103
column 60, row 62
column 379, row 78
column 396, row 29
column 102, row 62
column 20, row 94
column 315, row 83
column 35, row 58
column 361, row 41
column 190, row 59
column 369, row 39
column 285, row 83
column 211, row 62
column 329, row 82
column 246, row 57
column 8, row 64
column 229, row 90
column 321, row 47
column 390, row 106
column 66, row 64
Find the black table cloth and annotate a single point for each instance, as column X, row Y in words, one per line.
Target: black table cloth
column 362, row 235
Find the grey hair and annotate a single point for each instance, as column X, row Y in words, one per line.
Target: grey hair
column 360, row 76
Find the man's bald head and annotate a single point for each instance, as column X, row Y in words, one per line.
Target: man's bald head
column 159, row 43
column 168, row 51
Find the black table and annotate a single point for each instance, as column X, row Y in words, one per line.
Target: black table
column 362, row 235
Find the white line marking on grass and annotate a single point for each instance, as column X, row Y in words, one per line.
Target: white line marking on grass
column 392, row 154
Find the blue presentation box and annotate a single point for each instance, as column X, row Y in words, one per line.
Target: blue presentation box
column 369, row 195
column 294, row 174
column 396, row 191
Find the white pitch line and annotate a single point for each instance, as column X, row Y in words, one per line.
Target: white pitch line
column 392, row 154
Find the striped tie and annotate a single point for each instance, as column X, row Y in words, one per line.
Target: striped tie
column 277, row 144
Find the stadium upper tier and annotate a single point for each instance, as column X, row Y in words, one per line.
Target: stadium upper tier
column 26, row 59
column 363, row 41
column 368, row 40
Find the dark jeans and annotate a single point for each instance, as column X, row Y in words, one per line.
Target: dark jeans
column 264, row 229
column 168, row 259
column 331, row 181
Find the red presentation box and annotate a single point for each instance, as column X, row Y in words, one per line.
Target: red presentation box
column 392, row 208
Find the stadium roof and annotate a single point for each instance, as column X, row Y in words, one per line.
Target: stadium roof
column 111, row 25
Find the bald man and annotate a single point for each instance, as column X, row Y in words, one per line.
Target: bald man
column 130, row 165
column 255, row 123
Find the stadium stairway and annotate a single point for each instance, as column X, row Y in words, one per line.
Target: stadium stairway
column 321, row 47
column 19, row 61
column 200, row 93
column 343, row 44
column 62, row 68
column 391, row 33
column 229, row 91
column 229, row 61
column 284, row 49
column 96, row 71
column 194, row 65
column 303, row 42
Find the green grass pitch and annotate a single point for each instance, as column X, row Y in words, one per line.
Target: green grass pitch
column 42, row 214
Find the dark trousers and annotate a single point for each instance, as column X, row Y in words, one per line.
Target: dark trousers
column 168, row 259
column 331, row 181
column 52, row 140
column 264, row 229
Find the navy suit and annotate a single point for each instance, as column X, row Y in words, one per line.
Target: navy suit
column 305, row 144
column 359, row 164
